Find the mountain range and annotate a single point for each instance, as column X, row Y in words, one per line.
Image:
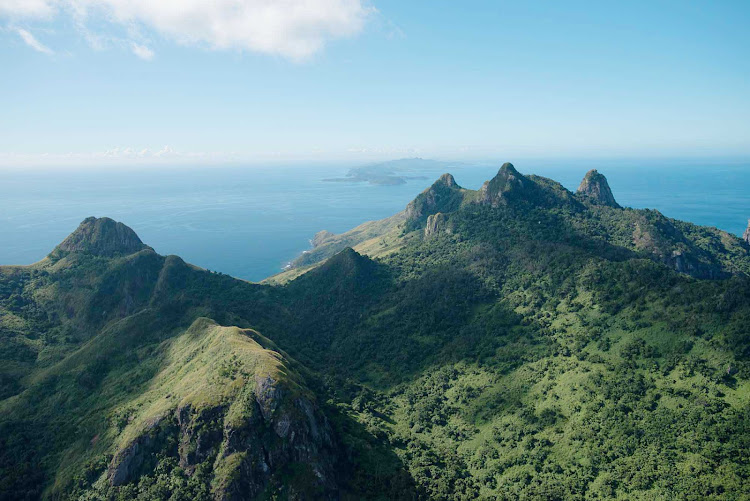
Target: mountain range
column 516, row 341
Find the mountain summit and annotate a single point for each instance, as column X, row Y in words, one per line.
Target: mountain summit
column 495, row 191
column 102, row 237
column 595, row 186
column 443, row 195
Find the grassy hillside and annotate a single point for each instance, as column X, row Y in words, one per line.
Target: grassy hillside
column 518, row 341
column 117, row 386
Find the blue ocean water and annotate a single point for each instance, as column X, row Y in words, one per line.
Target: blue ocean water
column 248, row 222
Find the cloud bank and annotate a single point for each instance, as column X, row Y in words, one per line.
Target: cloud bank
column 295, row 29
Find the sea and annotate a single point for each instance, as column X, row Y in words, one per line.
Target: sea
column 250, row 221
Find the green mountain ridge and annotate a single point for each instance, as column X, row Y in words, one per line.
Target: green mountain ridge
column 690, row 249
column 518, row 341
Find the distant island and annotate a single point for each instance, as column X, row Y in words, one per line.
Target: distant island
column 392, row 173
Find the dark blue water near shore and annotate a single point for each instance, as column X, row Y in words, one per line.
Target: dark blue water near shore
column 248, row 222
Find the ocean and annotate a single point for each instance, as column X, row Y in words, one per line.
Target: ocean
column 250, row 221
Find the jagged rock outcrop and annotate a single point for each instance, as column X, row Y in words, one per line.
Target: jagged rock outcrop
column 127, row 462
column 102, row 237
column 746, row 235
column 596, row 188
column 447, row 180
column 443, row 196
column 437, row 224
column 277, row 434
column 497, row 191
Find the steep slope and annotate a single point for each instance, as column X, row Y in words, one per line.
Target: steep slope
column 596, row 188
column 506, row 185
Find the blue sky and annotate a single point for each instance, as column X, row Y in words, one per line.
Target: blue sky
column 136, row 81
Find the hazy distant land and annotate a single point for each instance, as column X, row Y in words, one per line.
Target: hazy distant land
column 392, row 173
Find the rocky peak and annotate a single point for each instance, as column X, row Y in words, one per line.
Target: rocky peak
column 443, row 196
column 746, row 235
column 595, row 186
column 447, row 180
column 495, row 191
column 102, row 237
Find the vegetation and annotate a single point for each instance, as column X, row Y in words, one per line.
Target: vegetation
column 527, row 343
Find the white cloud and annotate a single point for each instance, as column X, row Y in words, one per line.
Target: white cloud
column 167, row 151
column 296, row 29
column 32, row 42
column 133, row 153
column 27, row 8
column 142, row 51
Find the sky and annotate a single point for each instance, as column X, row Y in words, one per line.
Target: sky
column 114, row 82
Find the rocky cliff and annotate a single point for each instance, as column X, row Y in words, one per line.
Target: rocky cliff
column 437, row 224
column 595, row 187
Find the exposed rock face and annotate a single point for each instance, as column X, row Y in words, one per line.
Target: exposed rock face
column 497, row 190
column 437, row 224
column 300, row 435
column 443, row 196
column 127, row 462
column 596, row 188
column 447, row 180
column 198, row 438
column 102, row 237
column 746, row 235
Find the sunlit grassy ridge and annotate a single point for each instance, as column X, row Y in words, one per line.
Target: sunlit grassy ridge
column 205, row 367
